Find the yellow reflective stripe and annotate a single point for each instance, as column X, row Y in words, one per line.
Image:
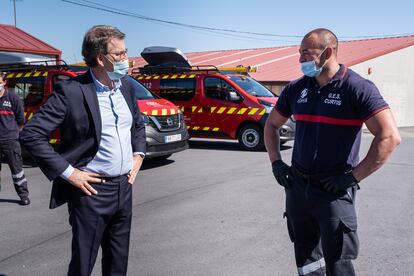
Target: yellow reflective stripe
column 19, row 75
column 45, row 74
column 183, row 109
column 188, row 127
column 30, row 116
column 164, row 112
column 146, row 113
column 154, row 112
column 36, row 74
column 221, row 110
column 193, row 108
column 10, row 75
column 172, row 111
column 140, row 77
column 200, row 110
column 216, row 129
column 53, row 141
column 196, row 128
column 174, row 76
column 28, row 74
column 206, row 128
column 148, row 77
column 253, row 111
column 231, row 110
column 156, row 77
column 192, row 76
column 263, row 111
column 212, row 109
column 242, row 110
column 183, row 76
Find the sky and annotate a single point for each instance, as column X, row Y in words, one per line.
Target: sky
column 63, row 25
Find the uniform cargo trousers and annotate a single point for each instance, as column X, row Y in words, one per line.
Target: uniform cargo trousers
column 10, row 152
column 322, row 227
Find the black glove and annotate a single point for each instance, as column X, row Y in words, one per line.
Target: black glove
column 281, row 172
column 339, row 183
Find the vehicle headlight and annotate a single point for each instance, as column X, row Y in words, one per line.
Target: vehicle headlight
column 180, row 117
column 145, row 118
column 268, row 106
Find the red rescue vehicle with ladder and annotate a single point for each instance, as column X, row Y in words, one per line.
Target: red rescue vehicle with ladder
column 34, row 82
column 216, row 102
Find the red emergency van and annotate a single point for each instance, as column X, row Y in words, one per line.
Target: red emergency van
column 217, row 103
column 34, row 82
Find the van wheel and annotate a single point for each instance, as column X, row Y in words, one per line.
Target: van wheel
column 251, row 137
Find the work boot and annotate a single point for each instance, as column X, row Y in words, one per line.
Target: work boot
column 24, row 201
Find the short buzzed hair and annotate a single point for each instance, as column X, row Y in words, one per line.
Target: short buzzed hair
column 96, row 42
column 326, row 38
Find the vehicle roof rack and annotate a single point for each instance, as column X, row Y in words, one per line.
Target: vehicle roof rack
column 34, row 65
column 174, row 69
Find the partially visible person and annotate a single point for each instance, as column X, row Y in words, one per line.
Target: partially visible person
column 101, row 151
column 11, row 121
column 330, row 104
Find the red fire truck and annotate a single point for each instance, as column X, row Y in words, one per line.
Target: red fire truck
column 34, row 82
column 217, row 103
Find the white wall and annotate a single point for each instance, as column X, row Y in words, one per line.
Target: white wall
column 393, row 74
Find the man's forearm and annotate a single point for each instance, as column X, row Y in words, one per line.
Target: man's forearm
column 272, row 142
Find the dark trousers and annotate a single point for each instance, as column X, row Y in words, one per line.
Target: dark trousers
column 10, row 152
column 101, row 220
column 322, row 227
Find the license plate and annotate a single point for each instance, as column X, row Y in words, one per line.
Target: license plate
column 172, row 138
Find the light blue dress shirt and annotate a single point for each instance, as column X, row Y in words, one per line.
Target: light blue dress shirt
column 114, row 156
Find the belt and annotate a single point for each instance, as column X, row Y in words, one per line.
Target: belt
column 313, row 179
column 114, row 178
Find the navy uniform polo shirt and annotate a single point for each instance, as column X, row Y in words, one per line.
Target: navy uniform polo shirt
column 329, row 119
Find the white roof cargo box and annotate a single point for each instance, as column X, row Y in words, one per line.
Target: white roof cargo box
column 165, row 56
column 14, row 57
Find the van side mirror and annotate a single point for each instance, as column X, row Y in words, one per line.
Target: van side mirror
column 233, row 96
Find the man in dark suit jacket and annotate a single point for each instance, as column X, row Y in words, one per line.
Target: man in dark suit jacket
column 101, row 151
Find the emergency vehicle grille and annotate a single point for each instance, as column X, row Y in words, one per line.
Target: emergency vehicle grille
column 166, row 123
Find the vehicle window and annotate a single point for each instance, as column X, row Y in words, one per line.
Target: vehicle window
column 178, row 89
column 29, row 89
column 251, row 86
column 217, row 88
column 58, row 78
column 141, row 92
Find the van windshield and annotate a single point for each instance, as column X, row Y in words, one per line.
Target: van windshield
column 251, row 86
column 141, row 92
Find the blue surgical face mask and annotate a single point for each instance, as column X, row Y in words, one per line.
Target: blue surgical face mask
column 120, row 69
column 310, row 69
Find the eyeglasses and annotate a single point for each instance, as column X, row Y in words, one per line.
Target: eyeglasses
column 119, row 54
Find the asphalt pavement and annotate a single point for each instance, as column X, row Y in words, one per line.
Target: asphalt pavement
column 213, row 210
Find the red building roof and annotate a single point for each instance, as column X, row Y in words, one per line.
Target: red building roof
column 281, row 63
column 13, row 39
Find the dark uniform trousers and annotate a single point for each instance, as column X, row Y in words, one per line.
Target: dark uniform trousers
column 10, row 152
column 101, row 220
column 322, row 227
